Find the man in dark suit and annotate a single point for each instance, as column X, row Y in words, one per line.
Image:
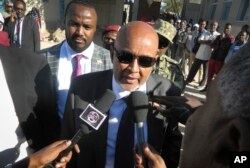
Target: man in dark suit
column 80, row 27
column 28, row 78
column 23, row 31
column 133, row 56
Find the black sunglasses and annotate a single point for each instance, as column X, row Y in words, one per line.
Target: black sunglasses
column 126, row 58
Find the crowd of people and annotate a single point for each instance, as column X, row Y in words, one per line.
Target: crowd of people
column 44, row 92
column 203, row 44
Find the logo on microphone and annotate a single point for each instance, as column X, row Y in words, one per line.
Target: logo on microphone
column 93, row 117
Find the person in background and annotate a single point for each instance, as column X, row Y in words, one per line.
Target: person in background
column 181, row 38
column 109, row 35
column 240, row 42
column 4, row 37
column 23, row 31
column 8, row 8
column 166, row 66
column 204, row 52
column 220, row 47
column 244, row 28
column 134, row 55
column 193, row 70
column 76, row 55
column 220, row 128
column 188, row 57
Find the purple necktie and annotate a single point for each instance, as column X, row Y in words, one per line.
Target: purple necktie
column 77, row 68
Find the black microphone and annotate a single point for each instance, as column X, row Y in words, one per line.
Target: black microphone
column 138, row 101
column 92, row 115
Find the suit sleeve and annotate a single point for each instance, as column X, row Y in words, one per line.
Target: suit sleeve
column 36, row 36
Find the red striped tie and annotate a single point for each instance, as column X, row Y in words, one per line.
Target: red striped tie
column 77, row 68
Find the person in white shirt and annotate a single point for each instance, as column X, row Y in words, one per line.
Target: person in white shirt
column 204, row 52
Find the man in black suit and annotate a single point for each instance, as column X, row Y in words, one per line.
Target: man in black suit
column 28, row 77
column 133, row 56
column 23, row 31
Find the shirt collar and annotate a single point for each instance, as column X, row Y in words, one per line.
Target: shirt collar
column 121, row 93
column 88, row 52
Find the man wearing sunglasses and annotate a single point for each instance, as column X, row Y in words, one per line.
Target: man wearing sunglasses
column 165, row 65
column 23, row 31
column 134, row 55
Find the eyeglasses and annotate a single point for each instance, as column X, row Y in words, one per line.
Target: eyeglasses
column 126, row 58
column 19, row 9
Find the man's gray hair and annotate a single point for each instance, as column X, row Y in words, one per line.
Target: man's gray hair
column 234, row 84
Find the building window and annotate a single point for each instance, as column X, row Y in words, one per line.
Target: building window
column 213, row 9
column 244, row 5
column 226, row 9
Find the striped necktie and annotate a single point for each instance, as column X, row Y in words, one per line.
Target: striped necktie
column 77, row 68
column 18, row 27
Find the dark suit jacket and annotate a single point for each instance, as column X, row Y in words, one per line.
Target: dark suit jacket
column 89, row 88
column 30, row 34
column 29, row 79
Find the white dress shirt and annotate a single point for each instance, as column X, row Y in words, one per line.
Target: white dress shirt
column 65, row 71
column 204, row 52
column 20, row 30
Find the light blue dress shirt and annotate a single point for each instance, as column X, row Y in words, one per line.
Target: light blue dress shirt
column 115, row 115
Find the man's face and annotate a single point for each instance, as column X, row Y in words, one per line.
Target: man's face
column 243, row 36
column 8, row 8
column 141, row 46
column 213, row 26
column 109, row 39
column 20, row 9
column 80, row 26
column 202, row 134
column 202, row 25
column 227, row 29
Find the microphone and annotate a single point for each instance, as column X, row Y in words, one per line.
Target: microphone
column 93, row 117
column 138, row 101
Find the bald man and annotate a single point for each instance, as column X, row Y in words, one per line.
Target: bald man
column 134, row 54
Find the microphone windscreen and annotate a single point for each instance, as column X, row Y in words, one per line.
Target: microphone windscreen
column 138, row 101
column 103, row 104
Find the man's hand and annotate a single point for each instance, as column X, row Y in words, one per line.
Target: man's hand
column 154, row 159
column 49, row 153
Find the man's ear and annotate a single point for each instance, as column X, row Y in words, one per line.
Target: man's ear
column 235, row 136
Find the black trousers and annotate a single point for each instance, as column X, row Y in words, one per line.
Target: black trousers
column 194, row 69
